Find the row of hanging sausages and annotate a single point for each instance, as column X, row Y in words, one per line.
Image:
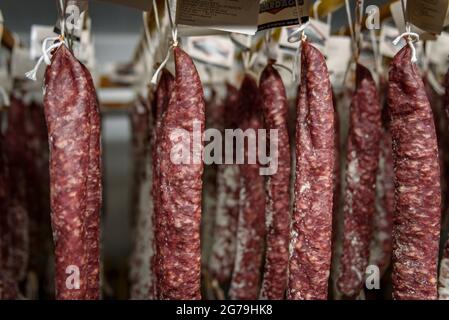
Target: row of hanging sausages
column 398, row 151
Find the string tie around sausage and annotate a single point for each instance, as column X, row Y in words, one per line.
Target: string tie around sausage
column 46, row 54
column 410, row 37
column 161, row 66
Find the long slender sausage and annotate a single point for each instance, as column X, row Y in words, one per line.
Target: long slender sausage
column 71, row 112
column 225, row 228
column 245, row 280
column 416, row 226
column 311, row 230
column 159, row 107
column 181, row 185
column 362, row 164
column 277, row 213
column 94, row 194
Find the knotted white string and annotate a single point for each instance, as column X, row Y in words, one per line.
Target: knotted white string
column 46, row 55
column 297, row 36
column 410, row 38
column 174, row 34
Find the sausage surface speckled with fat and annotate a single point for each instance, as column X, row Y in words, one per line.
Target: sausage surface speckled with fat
column 311, row 231
column 159, row 107
column 362, row 163
column 277, row 207
column 416, row 224
column 72, row 116
column 179, row 255
column 245, row 280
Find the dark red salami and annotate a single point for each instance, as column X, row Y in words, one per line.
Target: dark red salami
column 361, row 168
column 159, row 107
column 179, row 255
column 72, row 116
column 416, row 224
column 246, row 276
column 277, row 213
column 311, row 232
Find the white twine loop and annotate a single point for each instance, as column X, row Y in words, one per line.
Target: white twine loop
column 410, row 38
column 174, row 43
column 46, row 55
column 297, row 36
column 162, row 65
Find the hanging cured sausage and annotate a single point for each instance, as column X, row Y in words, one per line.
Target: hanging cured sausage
column 416, row 226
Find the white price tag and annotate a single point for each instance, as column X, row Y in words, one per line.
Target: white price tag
column 238, row 16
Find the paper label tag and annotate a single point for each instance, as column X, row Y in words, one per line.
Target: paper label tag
column 398, row 18
column 339, row 52
column 227, row 15
column 144, row 5
column 21, row 62
column 427, row 15
column 317, row 33
column 38, row 35
column 217, row 50
column 276, row 13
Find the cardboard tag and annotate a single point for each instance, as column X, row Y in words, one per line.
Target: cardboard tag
column 21, row 62
column 144, row 5
column 38, row 34
column 339, row 52
column 428, row 15
column 217, row 50
column 227, row 15
column 398, row 18
column 317, row 33
column 275, row 13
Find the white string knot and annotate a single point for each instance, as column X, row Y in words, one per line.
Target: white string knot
column 46, row 54
column 163, row 63
column 410, row 37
